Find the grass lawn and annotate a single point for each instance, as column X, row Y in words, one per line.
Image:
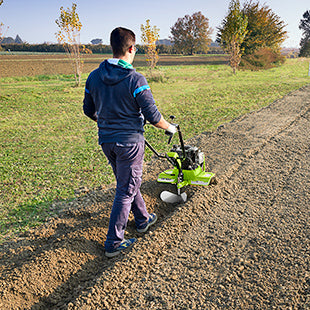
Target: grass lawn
column 49, row 148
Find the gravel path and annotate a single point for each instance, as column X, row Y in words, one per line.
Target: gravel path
column 240, row 244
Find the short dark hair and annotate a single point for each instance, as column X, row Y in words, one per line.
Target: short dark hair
column 121, row 39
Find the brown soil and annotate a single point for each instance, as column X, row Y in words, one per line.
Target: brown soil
column 240, row 244
column 46, row 64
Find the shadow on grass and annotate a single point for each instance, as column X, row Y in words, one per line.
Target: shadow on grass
column 24, row 217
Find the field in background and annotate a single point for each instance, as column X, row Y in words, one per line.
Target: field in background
column 49, row 148
column 23, row 64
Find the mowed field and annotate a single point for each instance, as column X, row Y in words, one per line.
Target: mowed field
column 19, row 64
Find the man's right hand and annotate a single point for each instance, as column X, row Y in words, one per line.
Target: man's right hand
column 172, row 129
column 163, row 124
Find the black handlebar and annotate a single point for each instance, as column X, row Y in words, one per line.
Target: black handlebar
column 172, row 117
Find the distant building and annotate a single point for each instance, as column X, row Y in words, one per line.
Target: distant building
column 164, row 42
column 96, row 41
column 18, row 40
column 10, row 40
column 168, row 42
column 214, row 44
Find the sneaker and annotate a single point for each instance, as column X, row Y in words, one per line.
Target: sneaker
column 125, row 244
column 152, row 220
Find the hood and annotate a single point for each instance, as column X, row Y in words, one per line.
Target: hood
column 112, row 74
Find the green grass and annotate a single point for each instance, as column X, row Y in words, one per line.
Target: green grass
column 49, row 148
column 203, row 97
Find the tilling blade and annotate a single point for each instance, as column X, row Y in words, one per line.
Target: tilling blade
column 169, row 197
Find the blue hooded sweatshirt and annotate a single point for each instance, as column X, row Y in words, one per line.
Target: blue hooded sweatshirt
column 119, row 99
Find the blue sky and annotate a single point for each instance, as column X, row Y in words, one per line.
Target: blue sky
column 34, row 20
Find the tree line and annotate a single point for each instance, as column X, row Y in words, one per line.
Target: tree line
column 94, row 49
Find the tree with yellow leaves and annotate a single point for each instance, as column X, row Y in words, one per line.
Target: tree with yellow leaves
column 69, row 35
column 1, row 28
column 232, row 33
column 265, row 28
column 150, row 35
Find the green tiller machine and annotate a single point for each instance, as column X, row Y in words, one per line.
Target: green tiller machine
column 188, row 168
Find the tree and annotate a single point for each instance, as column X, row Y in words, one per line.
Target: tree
column 191, row 34
column 1, row 27
column 305, row 40
column 232, row 33
column 265, row 28
column 150, row 35
column 305, row 50
column 1, row 33
column 69, row 35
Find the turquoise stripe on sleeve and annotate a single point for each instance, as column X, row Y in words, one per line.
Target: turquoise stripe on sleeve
column 87, row 91
column 140, row 89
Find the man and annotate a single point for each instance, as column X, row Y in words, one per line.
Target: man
column 119, row 100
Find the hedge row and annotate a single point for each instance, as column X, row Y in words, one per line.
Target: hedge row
column 95, row 49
